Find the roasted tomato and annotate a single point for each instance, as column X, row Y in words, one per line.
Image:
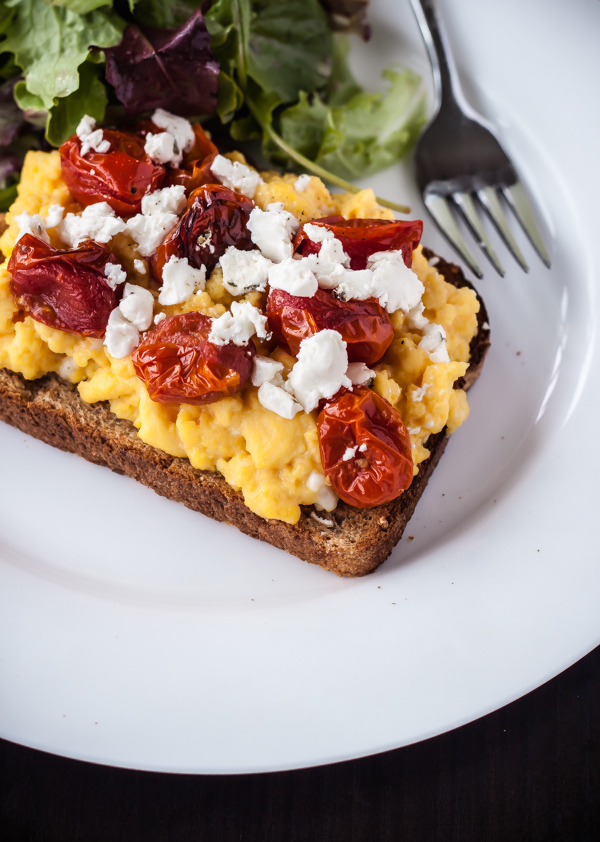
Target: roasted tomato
column 363, row 237
column 215, row 219
column 370, row 434
column 122, row 176
column 364, row 325
column 66, row 290
column 194, row 170
column 179, row 365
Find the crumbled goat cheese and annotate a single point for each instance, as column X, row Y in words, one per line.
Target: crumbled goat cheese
column 162, row 149
column 179, row 129
column 137, row 306
column 327, row 499
column 357, row 284
column 332, row 251
column 401, row 288
column 114, row 274
column 31, row 224
column 349, row 453
column 293, row 276
column 159, row 214
column 277, row 400
column 54, row 215
column 36, row 225
column 180, row 281
column 159, row 317
column 320, row 370
column 140, row 266
column 359, row 374
column 434, row 342
column 301, row 183
column 97, row 222
column 67, row 368
column 238, row 325
column 265, row 370
column 244, row 271
column 90, row 136
column 362, row 448
column 236, row 176
column 86, row 126
column 416, row 318
column 272, row 231
column 419, row 393
column 329, row 275
column 121, row 336
column 318, row 233
column 168, row 200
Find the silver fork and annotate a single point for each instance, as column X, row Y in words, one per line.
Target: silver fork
column 460, row 165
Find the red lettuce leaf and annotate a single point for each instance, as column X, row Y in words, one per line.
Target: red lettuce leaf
column 172, row 69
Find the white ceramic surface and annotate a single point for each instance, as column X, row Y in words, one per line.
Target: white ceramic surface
column 136, row 633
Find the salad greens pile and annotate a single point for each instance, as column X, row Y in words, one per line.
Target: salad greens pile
column 273, row 70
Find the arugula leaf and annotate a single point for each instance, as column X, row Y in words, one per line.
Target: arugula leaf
column 49, row 43
column 289, row 47
column 282, row 46
column 173, row 69
column 366, row 134
column 90, row 98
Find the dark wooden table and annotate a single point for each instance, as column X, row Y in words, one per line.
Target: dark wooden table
column 530, row 772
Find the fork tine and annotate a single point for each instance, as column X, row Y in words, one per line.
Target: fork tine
column 467, row 207
column 441, row 212
column 489, row 199
column 518, row 200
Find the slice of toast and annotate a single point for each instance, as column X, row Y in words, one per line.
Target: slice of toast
column 348, row 541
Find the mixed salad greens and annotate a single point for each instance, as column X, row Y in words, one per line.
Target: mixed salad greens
column 274, row 70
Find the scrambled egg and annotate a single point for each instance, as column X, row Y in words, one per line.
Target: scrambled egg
column 267, row 457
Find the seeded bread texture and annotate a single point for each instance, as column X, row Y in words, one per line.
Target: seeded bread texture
column 348, row 541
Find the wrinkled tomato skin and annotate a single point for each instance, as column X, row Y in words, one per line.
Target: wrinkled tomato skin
column 179, row 365
column 384, row 469
column 194, row 170
column 121, row 177
column 364, row 325
column 66, row 290
column 215, row 219
column 363, row 237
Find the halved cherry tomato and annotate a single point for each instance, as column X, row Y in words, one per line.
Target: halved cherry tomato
column 363, row 237
column 364, row 325
column 369, row 432
column 179, row 365
column 122, row 176
column 67, row 289
column 215, row 219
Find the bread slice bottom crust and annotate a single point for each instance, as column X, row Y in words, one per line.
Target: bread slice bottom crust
column 358, row 540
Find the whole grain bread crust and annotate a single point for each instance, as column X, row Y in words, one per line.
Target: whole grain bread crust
column 348, row 541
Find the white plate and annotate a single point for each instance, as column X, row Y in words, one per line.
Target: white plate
column 136, row 633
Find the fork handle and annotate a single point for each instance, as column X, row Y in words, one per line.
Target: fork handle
column 445, row 78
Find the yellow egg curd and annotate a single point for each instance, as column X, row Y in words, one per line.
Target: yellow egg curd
column 268, row 458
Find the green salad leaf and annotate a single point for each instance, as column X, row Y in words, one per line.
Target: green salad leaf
column 89, row 98
column 283, row 77
column 50, row 42
column 365, row 134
